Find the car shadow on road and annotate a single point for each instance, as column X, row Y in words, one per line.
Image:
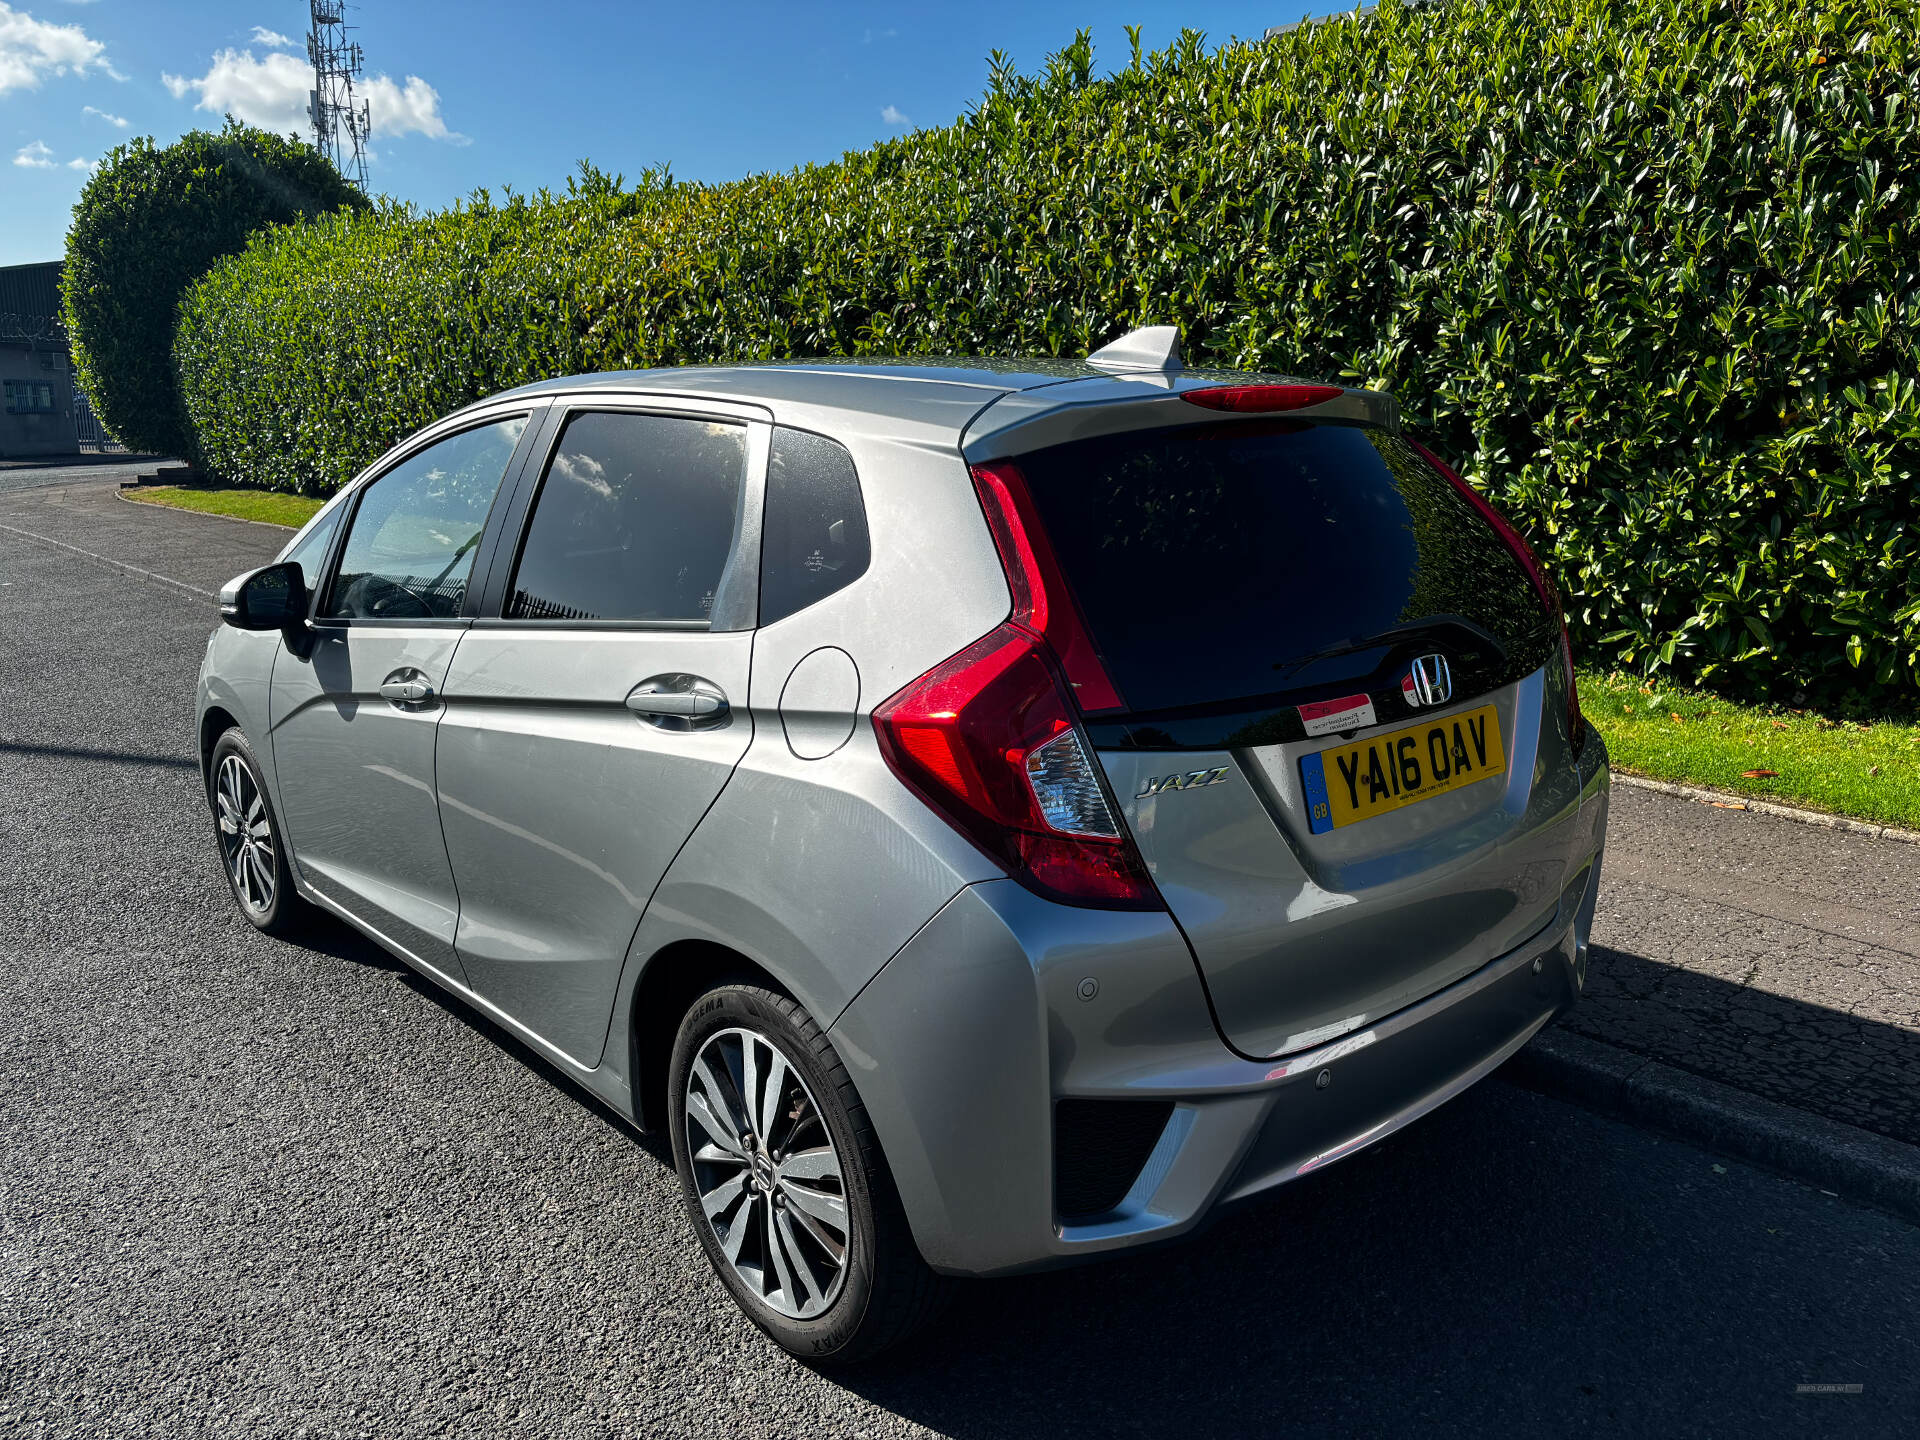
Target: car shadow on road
column 1478, row 1272
column 111, row 757
column 1507, row 1265
column 1486, row 1271
column 334, row 937
column 338, row 940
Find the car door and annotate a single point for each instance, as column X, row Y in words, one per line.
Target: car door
column 596, row 710
column 354, row 707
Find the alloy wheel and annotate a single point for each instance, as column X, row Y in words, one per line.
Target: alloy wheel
column 767, row 1173
column 246, row 834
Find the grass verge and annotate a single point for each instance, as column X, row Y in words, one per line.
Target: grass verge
column 268, row 506
column 1869, row 770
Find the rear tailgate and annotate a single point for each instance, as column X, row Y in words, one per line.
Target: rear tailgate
column 1340, row 825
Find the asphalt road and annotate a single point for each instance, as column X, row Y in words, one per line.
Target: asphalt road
column 29, row 475
column 250, row 1188
column 1778, row 957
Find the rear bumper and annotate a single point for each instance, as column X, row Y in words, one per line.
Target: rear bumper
column 959, row 1057
column 1420, row 1058
column 1004, row 1003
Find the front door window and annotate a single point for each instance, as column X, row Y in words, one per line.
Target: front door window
column 410, row 551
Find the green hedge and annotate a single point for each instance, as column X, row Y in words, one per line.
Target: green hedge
column 1647, row 268
column 149, row 222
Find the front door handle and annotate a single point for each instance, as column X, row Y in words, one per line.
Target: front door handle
column 406, row 687
column 679, row 702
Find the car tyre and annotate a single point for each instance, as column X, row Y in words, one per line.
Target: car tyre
column 780, row 1169
column 253, row 851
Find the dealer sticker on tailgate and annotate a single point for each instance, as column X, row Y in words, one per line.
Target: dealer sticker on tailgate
column 1382, row 773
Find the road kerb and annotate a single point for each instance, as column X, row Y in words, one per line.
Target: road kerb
column 1733, row 799
column 1844, row 1159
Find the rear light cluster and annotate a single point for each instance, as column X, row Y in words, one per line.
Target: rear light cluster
column 1543, row 586
column 1042, row 604
column 990, row 737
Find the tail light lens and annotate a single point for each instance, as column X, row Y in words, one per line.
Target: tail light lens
column 988, row 739
column 1543, row 586
column 1042, row 604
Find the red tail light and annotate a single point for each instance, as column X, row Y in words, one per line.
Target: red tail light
column 988, row 739
column 1523, row 552
column 1042, row 604
column 1261, row 399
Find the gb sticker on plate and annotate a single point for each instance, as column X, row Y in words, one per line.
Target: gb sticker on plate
column 1329, row 717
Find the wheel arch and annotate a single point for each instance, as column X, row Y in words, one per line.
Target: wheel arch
column 213, row 724
column 673, row 979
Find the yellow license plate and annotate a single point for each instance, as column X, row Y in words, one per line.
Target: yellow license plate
column 1382, row 773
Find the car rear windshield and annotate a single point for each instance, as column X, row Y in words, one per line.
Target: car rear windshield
column 1257, row 560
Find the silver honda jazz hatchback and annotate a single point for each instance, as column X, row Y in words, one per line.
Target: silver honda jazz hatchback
column 988, row 814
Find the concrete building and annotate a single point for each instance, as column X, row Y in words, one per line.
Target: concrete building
column 37, row 396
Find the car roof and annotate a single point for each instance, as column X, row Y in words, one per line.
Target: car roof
column 828, row 374
column 930, row 389
column 946, row 394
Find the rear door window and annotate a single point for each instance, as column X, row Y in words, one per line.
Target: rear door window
column 1255, row 561
column 814, row 530
column 637, row 519
column 410, row 548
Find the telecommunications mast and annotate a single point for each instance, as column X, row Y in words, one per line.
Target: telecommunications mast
column 340, row 122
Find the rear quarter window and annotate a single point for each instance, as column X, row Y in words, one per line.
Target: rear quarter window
column 814, row 530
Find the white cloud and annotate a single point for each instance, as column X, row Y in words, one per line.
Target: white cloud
column 272, row 39
column 894, row 116
column 119, row 122
column 271, row 92
column 39, row 156
column 30, row 49
column 413, row 108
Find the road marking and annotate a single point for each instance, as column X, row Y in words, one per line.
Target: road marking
column 122, row 566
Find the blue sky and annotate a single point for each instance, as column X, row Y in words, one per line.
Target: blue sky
column 473, row 92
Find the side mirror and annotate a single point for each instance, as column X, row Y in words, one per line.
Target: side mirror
column 271, row 598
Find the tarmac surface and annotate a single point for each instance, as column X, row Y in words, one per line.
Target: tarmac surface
column 1780, row 958
column 29, row 474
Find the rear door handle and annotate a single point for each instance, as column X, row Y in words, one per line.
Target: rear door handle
column 666, row 704
column 679, row 702
column 406, row 687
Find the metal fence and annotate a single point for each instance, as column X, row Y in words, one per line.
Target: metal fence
column 91, row 433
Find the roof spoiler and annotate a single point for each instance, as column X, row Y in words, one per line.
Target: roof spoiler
column 1152, row 347
column 1154, row 351
column 1145, row 387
